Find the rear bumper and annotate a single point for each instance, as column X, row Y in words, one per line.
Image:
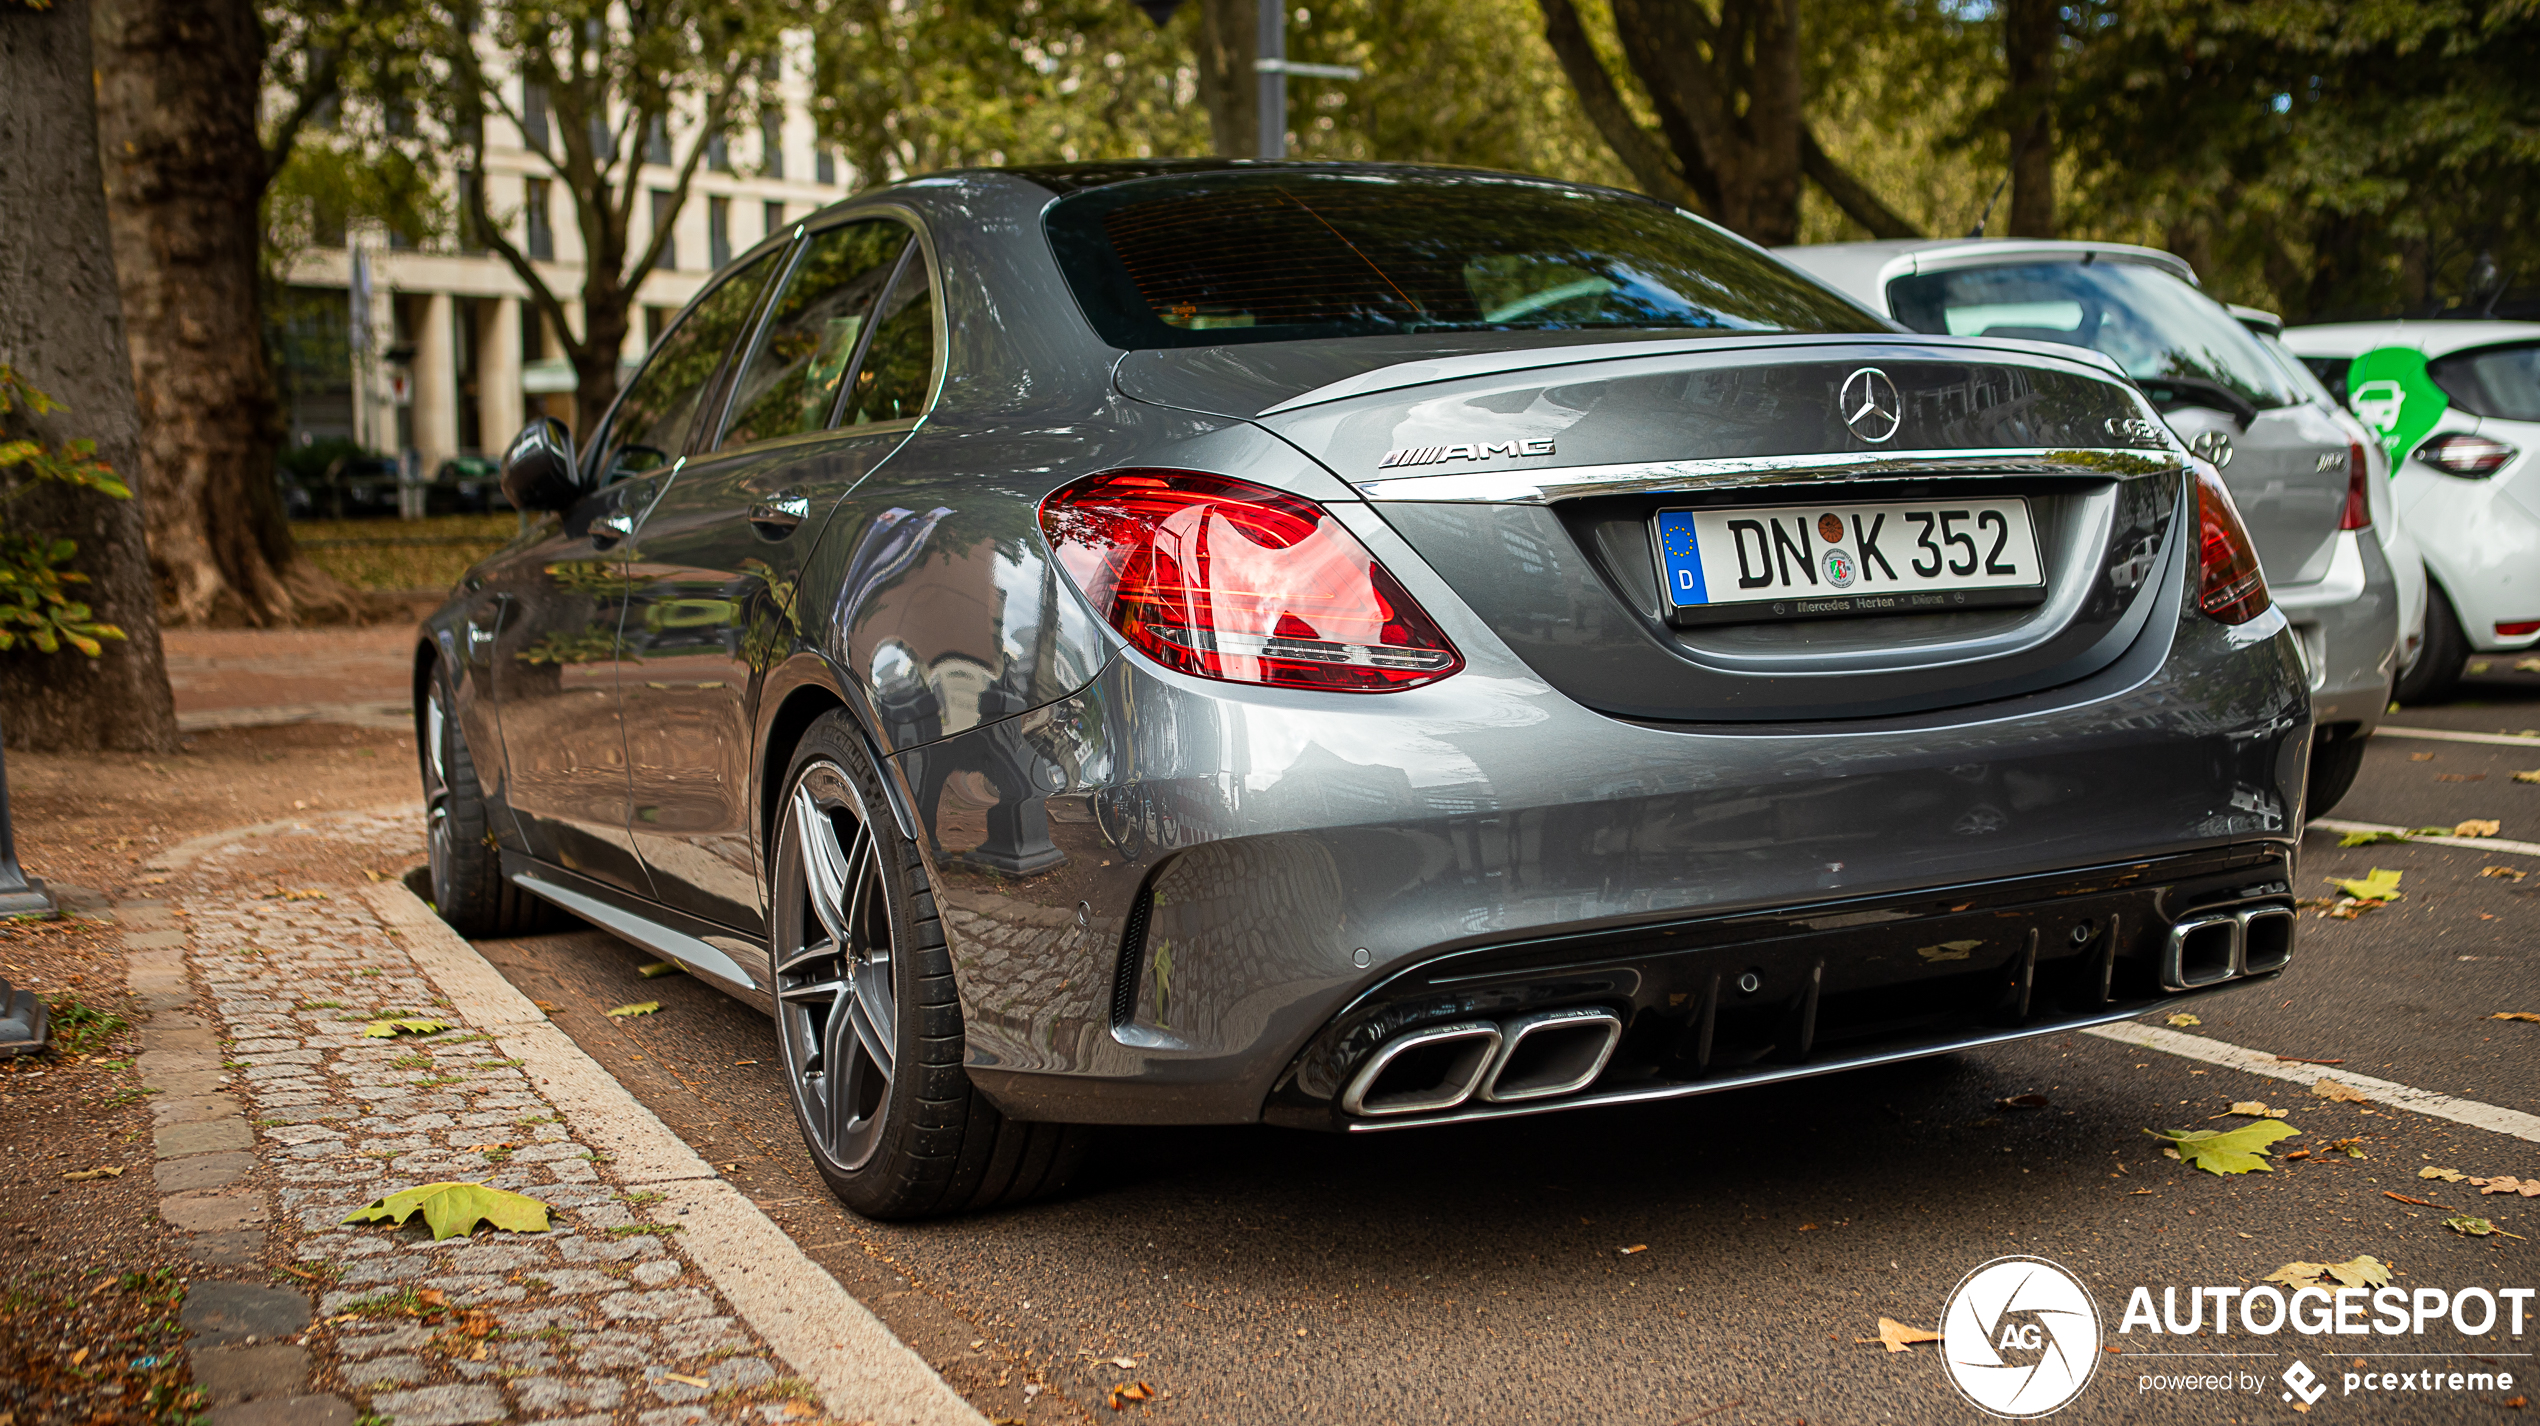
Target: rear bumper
column 2348, row 627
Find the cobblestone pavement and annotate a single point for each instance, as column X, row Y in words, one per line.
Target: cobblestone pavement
column 278, row 1117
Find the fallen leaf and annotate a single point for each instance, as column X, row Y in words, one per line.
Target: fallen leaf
column 391, row 1029
column 2184, row 1019
column 2259, row 1109
column 2531, row 776
column 2532, row 1016
column 2379, row 886
column 2364, row 1270
column 642, row 1007
column 2403, row 1198
column 2340, row 1093
column 2241, row 1150
column 1896, row 1336
column 661, row 968
column 2478, row 827
column 2503, row 873
column 2023, row 1101
column 2470, row 1227
column 2420, row 757
column 2351, row 1148
column 2447, row 1175
column 86, row 1175
column 2517, row 1402
column 2367, row 839
column 79, row 1356
column 1627, row 1252
column 433, row 1297
column 1128, row 1392
column 2507, row 1183
column 453, row 1209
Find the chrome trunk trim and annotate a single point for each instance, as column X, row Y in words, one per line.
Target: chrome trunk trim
column 1543, row 485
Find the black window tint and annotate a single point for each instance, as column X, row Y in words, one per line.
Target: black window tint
column 1206, row 260
column 2153, row 324
column 2332, row 374
column 2503, row 382
column 899, row 359
column 650, row 427
column 791, row 382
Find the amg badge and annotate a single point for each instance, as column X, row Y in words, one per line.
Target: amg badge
column 1431, row 455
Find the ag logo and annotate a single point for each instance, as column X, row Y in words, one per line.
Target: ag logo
column 2020, row 1337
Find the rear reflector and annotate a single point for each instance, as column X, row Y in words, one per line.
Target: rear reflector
column 2358, row 514
column 1226, row 579
column 2465, row 455
column 2518, row 628
column 2233, row 591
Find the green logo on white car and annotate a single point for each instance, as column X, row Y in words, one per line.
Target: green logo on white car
column 2389, row 391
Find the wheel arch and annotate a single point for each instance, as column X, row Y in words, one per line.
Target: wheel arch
column 798, row 693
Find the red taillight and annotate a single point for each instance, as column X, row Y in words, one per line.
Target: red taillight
column 2358, row 514
column 1226, row 579
column 2470, row 457
column 2233, row 591
column 2516, row 628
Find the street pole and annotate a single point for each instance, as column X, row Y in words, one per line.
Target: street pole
column 20, row 894
column 1273, row 68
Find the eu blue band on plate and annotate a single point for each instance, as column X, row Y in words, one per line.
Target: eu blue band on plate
column 1681, row 555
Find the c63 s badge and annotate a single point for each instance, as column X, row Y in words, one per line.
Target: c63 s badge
column 1489, row 450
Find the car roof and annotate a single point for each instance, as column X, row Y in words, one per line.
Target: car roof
column 1867, row 268
column 2436, row 338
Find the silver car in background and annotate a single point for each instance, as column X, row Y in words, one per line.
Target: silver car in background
column 2298, row 469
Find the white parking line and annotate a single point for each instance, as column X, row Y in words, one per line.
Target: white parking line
column 2446, row 735
column 2494, row 1118
column 2475, row 844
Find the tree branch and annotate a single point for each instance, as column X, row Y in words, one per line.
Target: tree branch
column 549, row 305
column 1659, row 176
column 712, row 120
column 1851, row 194
column 321, row 83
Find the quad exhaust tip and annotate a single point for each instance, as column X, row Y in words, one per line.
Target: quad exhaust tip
column 2208, row 950
column 1538, row 1056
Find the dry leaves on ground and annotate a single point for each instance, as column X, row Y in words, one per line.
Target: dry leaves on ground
column 391, row 1029
column 641, row 1007
column 2532, row 776
column 2182, row 1020
column 454, row 1209
column 2530, row 1015
column 2351, row 1148
column 2364, row 1270
column 2478, row 827
column 87, row 1175
column 2447, row 1175
column 1896, row 1336
column 2330, row 1089
column 661, row 968
column 2241, row 1150
column 2257, row 1109
column 1128, row 1392
column 2503, row 873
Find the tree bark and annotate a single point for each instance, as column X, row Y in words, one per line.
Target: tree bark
column 1229, row 41
column 61, row 326
column 185, row 170
column 2029, row 33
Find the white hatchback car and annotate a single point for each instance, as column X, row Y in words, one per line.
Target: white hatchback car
column 2458, row 404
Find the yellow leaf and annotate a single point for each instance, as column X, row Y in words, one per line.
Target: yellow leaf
column 2183, row 1019
column 391, row 1029
column 2363, row 1270
column 642, row 1007
column 2532, row 1016
column 2241, row 1150
column 2380, row 886
column 660, row 968
column 2447, row 1175
column 2531, row 776
column 88, row 1175
column 2259, row 1109
column 454, row 1209
column 2478, row 827
column 2505, row 873
column 2330, row 1089
column 1897, row 1337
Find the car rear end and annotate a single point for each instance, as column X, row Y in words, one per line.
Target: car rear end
column 1513, row 718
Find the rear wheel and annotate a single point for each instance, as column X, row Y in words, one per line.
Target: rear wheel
column 867, row 1014
column 2336, row 756
column 468, row 887
column 2437, row 670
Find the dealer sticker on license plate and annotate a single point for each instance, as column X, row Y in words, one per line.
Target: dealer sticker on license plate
column 1732, row 564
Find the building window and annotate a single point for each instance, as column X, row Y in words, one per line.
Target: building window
column 718, row 153
column 824, row 166
column 718, row 231
column 775, row 218
column 657, row 141
column 655, row 318
column 533, row 333
column 533, row 115
column 542, row 229
column 665, row 215
column 771, row 143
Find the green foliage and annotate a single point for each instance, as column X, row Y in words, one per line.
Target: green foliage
column 454, row 1209
column 2241, row 1150
column 79, row 1029
column 36, row 606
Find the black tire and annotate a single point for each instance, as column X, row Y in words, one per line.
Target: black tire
column 909, row 1138
column 468, row 887
column 2436, row 674
column 2336, row 756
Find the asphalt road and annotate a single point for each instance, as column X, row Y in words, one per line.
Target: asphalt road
column 1478, row 1274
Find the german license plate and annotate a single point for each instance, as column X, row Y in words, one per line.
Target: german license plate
column 1742, row 564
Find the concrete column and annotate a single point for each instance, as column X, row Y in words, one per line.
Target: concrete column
column 498, row 371
column 436, row 384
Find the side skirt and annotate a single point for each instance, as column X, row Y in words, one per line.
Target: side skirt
column 703, row 948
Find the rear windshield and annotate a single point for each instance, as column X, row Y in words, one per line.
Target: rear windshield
column 2498, row 382
column 1213, row 259
column 2154, row 325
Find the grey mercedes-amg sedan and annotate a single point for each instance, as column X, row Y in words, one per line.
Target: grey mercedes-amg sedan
column 1353, row 647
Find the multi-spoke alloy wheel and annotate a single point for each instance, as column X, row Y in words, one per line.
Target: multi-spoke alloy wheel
column 867, row 1012
column 836, row 1010
column 468, row 888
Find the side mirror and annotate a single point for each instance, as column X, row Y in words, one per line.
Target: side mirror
column 538, row 469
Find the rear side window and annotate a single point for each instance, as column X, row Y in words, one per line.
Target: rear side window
column 2332, row 374
column 1213, row 259
column 650, row 427
column 791, row 382
column 2502, row 382
column 2153, row 324
column 899, row 360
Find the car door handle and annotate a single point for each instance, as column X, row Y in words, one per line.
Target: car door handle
column 609, row 529
column 484, row 624
column 777, row 516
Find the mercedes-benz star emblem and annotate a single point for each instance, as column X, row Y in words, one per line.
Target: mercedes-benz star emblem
column 1869, row 405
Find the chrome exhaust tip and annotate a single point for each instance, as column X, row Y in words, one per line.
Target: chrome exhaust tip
column 2201, row 951
column 2266, row 939
column 1424, row 1071
column 1552, row 1052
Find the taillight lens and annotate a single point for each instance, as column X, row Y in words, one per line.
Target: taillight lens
column 1227, row 579
column 2233, row 591
column 2462, row 454
column 2358, row 514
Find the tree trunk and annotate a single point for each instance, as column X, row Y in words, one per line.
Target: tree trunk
column 1229, row 41
column 2029, row 33
column 61, row 326
column 177, row 90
